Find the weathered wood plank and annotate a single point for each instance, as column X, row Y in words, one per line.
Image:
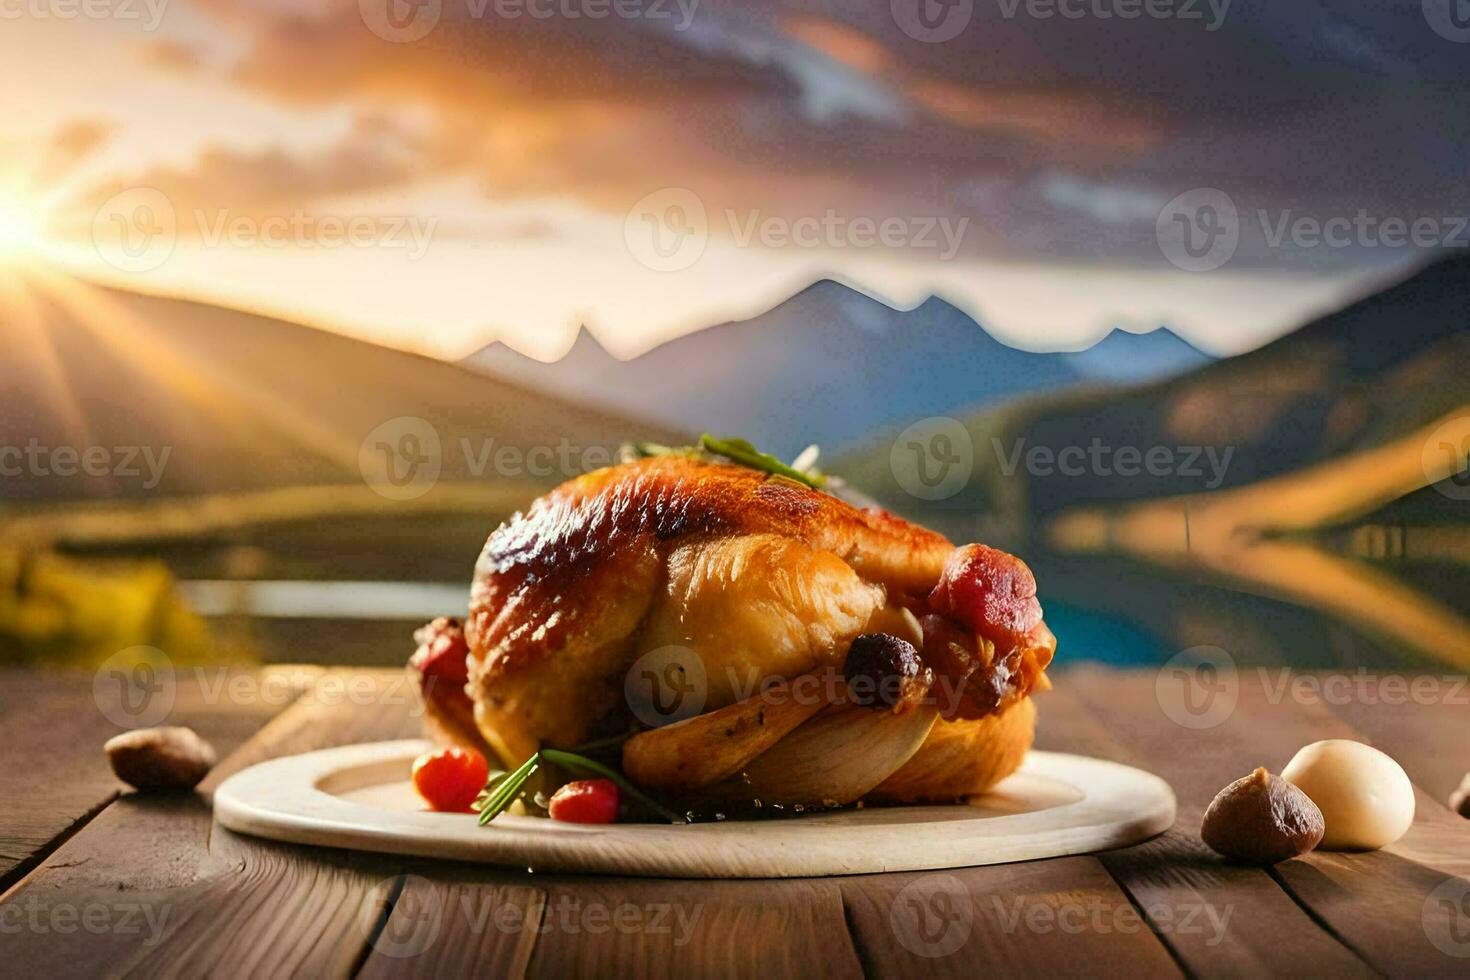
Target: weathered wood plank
column 447, row 921
column 168, row 893
column 1040, row 918
column 666, row 928
column 53, row 729
column 1379, row 904
column 1219, row 919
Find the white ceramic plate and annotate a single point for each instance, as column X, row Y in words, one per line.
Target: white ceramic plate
column 359, row 797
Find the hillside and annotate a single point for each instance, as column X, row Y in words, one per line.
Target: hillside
column 1349, row 381
column 175, row 398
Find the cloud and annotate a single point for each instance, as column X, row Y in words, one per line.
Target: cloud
column 1053, row 134
column 378, row 152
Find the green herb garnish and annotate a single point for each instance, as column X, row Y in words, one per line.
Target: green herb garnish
column 504, row 789
column 738, row 451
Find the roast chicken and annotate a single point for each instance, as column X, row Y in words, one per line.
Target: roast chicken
column 752, row 586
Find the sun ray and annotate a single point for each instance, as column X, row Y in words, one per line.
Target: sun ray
column 31, row 345
column 229, row 401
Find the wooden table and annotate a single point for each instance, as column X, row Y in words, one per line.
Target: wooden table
column 96, row 880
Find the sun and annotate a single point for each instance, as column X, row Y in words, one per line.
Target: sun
column 20, row 229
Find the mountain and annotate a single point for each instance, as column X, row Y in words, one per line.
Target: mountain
column 829, row 365
column 108, row 394
column 1133, row 358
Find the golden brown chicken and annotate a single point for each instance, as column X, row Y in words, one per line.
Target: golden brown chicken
column 749, row 586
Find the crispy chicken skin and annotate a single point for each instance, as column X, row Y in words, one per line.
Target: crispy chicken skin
column 761, row 577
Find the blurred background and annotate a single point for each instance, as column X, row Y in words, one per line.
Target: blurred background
column 300, row 298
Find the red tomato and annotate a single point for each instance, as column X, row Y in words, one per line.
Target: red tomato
column 586, row 801
column 450, row 779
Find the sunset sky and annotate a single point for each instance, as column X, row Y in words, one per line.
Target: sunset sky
column 511, row 176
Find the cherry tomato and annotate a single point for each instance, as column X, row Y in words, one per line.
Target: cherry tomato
column 450, row 779
column 586, row 801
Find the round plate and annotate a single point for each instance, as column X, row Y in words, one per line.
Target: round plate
column 359, row 797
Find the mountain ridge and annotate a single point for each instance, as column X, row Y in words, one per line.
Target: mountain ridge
column 829, row 364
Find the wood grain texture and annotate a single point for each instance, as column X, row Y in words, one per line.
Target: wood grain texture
column 55, row 717
column 1219, row 919
column 151, row 886
column 693, row 928
column 154, row 891
column 1379, row 904
column 1047, row 918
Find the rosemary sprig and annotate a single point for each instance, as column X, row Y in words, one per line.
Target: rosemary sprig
column 504, row 789
column 742, row 452
column 501, row 792
column 738, row 451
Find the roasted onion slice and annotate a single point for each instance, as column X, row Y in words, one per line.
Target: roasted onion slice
column 838, row 756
